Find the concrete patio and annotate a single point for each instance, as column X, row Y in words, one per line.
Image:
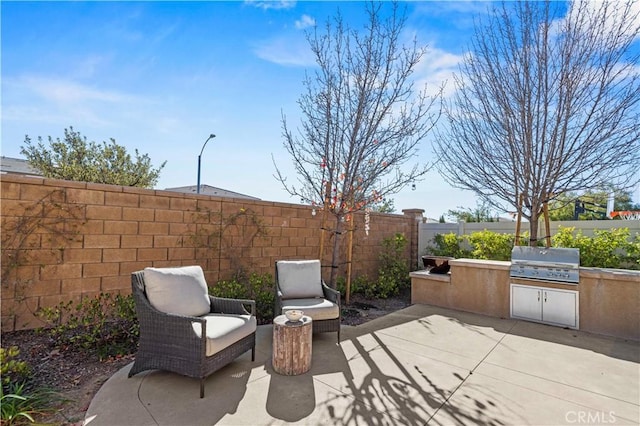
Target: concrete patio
column 420, row 365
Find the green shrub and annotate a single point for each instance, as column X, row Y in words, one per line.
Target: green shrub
column 393, row 273
column 260, row 288
column 490, row 245
column 12, row 370
column 606, row 249
column 358, row 285
column 613, row 248
column 263, row 292
column 448, row 245
column 105, row 325
column 341, row 286
column 232, row 289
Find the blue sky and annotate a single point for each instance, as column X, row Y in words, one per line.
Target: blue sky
column 162, row 76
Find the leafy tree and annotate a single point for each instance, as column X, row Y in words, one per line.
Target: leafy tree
column 546, row 104
column 563, row 207
column 386, row 205
column 481, row 213
column 363, row 120
column 76, row 159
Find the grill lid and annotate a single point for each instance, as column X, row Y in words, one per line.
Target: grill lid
column 541, row 256
column 549, row 264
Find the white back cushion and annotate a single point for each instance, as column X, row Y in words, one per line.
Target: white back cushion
column 299, row 279
column 181, row 291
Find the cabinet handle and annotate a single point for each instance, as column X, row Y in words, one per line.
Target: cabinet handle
column 545, row 297
column 538, row 295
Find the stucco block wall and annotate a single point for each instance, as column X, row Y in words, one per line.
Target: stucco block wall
column 478, row 286
column 65, row 240
column 610, row 302
column 472, row 286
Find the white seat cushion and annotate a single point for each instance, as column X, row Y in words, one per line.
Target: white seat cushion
column 223, row 330
column 181, row 291
column 317, row 309
column 299, row 279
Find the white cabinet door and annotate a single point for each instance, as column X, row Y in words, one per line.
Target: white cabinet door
column 560, row 307
column 526, row 302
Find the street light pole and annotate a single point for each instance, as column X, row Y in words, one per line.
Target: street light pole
column 211, row 136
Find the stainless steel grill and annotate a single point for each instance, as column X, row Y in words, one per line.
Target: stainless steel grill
column 546, row 264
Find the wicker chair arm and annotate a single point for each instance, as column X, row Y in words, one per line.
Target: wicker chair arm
column 277, row 302
column 162, row 327
column 331, row 294
column 225, row 305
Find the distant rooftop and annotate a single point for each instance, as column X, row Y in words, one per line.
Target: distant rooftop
column 211, row 190
column 17, row 166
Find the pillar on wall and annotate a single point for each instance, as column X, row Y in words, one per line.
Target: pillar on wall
column 416, row 216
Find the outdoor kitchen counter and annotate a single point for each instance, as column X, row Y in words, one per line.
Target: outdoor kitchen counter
column 473, row 285
column 610, row 302
column 619, row 274
column 482, row 263
column 609, row 298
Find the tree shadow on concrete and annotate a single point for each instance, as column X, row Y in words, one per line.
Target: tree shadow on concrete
column 391, row 386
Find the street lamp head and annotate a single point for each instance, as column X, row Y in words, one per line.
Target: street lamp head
column 211, row 136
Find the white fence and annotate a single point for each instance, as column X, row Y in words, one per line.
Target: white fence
column 426, row 231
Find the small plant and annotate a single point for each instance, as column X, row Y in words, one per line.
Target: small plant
column 19, row 406
column 105, row 325
column 12, row 370
column 359, row 285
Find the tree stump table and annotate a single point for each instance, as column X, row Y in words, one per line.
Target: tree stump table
column 291, row 345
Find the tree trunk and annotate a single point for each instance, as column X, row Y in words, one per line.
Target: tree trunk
column 533, row 227
column 335, row 258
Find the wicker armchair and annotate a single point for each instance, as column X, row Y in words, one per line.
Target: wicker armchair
column 299, row 285
column 183, row 344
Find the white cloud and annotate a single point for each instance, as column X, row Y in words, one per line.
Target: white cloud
column 305, row 21
column 286, row 51
column 68, row 92
column 47, row 99
column 271, row 4
column 437, row 68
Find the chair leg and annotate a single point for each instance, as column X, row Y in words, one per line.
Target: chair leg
column 202, row 387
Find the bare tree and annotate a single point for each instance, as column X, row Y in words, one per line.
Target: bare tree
column 362, row 118
column 545, row 105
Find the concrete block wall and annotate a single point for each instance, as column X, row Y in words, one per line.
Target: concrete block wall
column 65, row 240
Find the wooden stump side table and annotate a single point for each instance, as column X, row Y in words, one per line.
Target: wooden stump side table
column 292, row 345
